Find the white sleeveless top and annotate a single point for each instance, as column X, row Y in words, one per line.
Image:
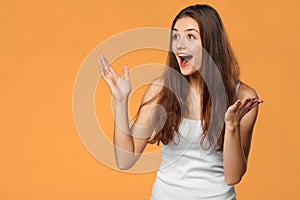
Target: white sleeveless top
column 190, row 172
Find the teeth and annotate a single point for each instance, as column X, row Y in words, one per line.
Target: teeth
column 183, row 54
column 184, row 57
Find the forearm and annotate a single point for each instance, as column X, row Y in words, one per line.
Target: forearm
column 123, row 143
column 233, row 155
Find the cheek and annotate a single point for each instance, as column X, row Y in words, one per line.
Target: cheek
column 195, row 47
column 173, row 50
column 196, row 50
column 173, row 47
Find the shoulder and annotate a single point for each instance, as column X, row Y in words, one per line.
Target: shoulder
column 153, row 90
column 249, row 119
column 246, row 91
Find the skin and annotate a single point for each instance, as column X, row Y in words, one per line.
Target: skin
column 239, row 119
column 186, row 39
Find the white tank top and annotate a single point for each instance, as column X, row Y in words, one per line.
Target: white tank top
column 190, row 172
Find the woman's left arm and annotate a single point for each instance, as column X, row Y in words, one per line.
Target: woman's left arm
column 239, row 123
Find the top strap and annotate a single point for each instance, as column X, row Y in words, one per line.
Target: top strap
column 237, row 87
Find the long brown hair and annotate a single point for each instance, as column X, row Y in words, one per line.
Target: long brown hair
column 173, row 97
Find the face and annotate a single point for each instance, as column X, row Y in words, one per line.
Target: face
column 187, row 45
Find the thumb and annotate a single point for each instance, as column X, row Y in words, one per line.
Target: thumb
column 125, row 72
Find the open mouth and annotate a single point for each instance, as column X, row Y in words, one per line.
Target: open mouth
column 184, row 59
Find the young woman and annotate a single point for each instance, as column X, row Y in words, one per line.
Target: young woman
column 192, row 113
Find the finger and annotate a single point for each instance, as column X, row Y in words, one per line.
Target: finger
column 245, row 102
column 257, row 99
column 104, row 62
column 100, row 67
column 105, row 73
column 236, row 104
column 257, row 102
column 254, row 102
column 125, row 72
column 108, row 68
column 103, row 65
column 260, row 100
column 245, row 105
column 253, row 106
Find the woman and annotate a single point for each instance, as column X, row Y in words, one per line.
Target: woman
column 192, row 116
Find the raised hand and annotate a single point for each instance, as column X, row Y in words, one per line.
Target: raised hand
column 119, row 87
column 239, row 109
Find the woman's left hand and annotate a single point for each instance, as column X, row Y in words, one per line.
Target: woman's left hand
column 239, row 109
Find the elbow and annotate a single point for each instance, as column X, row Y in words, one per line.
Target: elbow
column 123, row 166
column 234, row 178
column 233, row 181
column 124, row 160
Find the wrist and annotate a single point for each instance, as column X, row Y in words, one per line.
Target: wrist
column 232, row 125
column 123, row 100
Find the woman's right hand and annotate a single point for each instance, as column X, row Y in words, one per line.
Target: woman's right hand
column 119, row 87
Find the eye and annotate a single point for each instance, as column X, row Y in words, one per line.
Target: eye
column 191, row 37
column 175, row 36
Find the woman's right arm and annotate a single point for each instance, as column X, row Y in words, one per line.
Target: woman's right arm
column 129, row 143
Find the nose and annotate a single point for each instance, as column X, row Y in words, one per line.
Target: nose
column 180, row 43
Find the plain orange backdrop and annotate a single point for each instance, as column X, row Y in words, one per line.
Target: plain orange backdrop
column 42, row 45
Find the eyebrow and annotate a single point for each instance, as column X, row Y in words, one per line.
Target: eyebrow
column 186, row 30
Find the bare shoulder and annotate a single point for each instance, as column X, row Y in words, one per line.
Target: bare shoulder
column 246, row 90
column 149, row 109
column 154, row 88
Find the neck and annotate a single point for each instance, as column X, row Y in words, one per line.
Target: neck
column 194, row 103
column 195, row 80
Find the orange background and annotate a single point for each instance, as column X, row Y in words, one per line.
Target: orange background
column 43, row 44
